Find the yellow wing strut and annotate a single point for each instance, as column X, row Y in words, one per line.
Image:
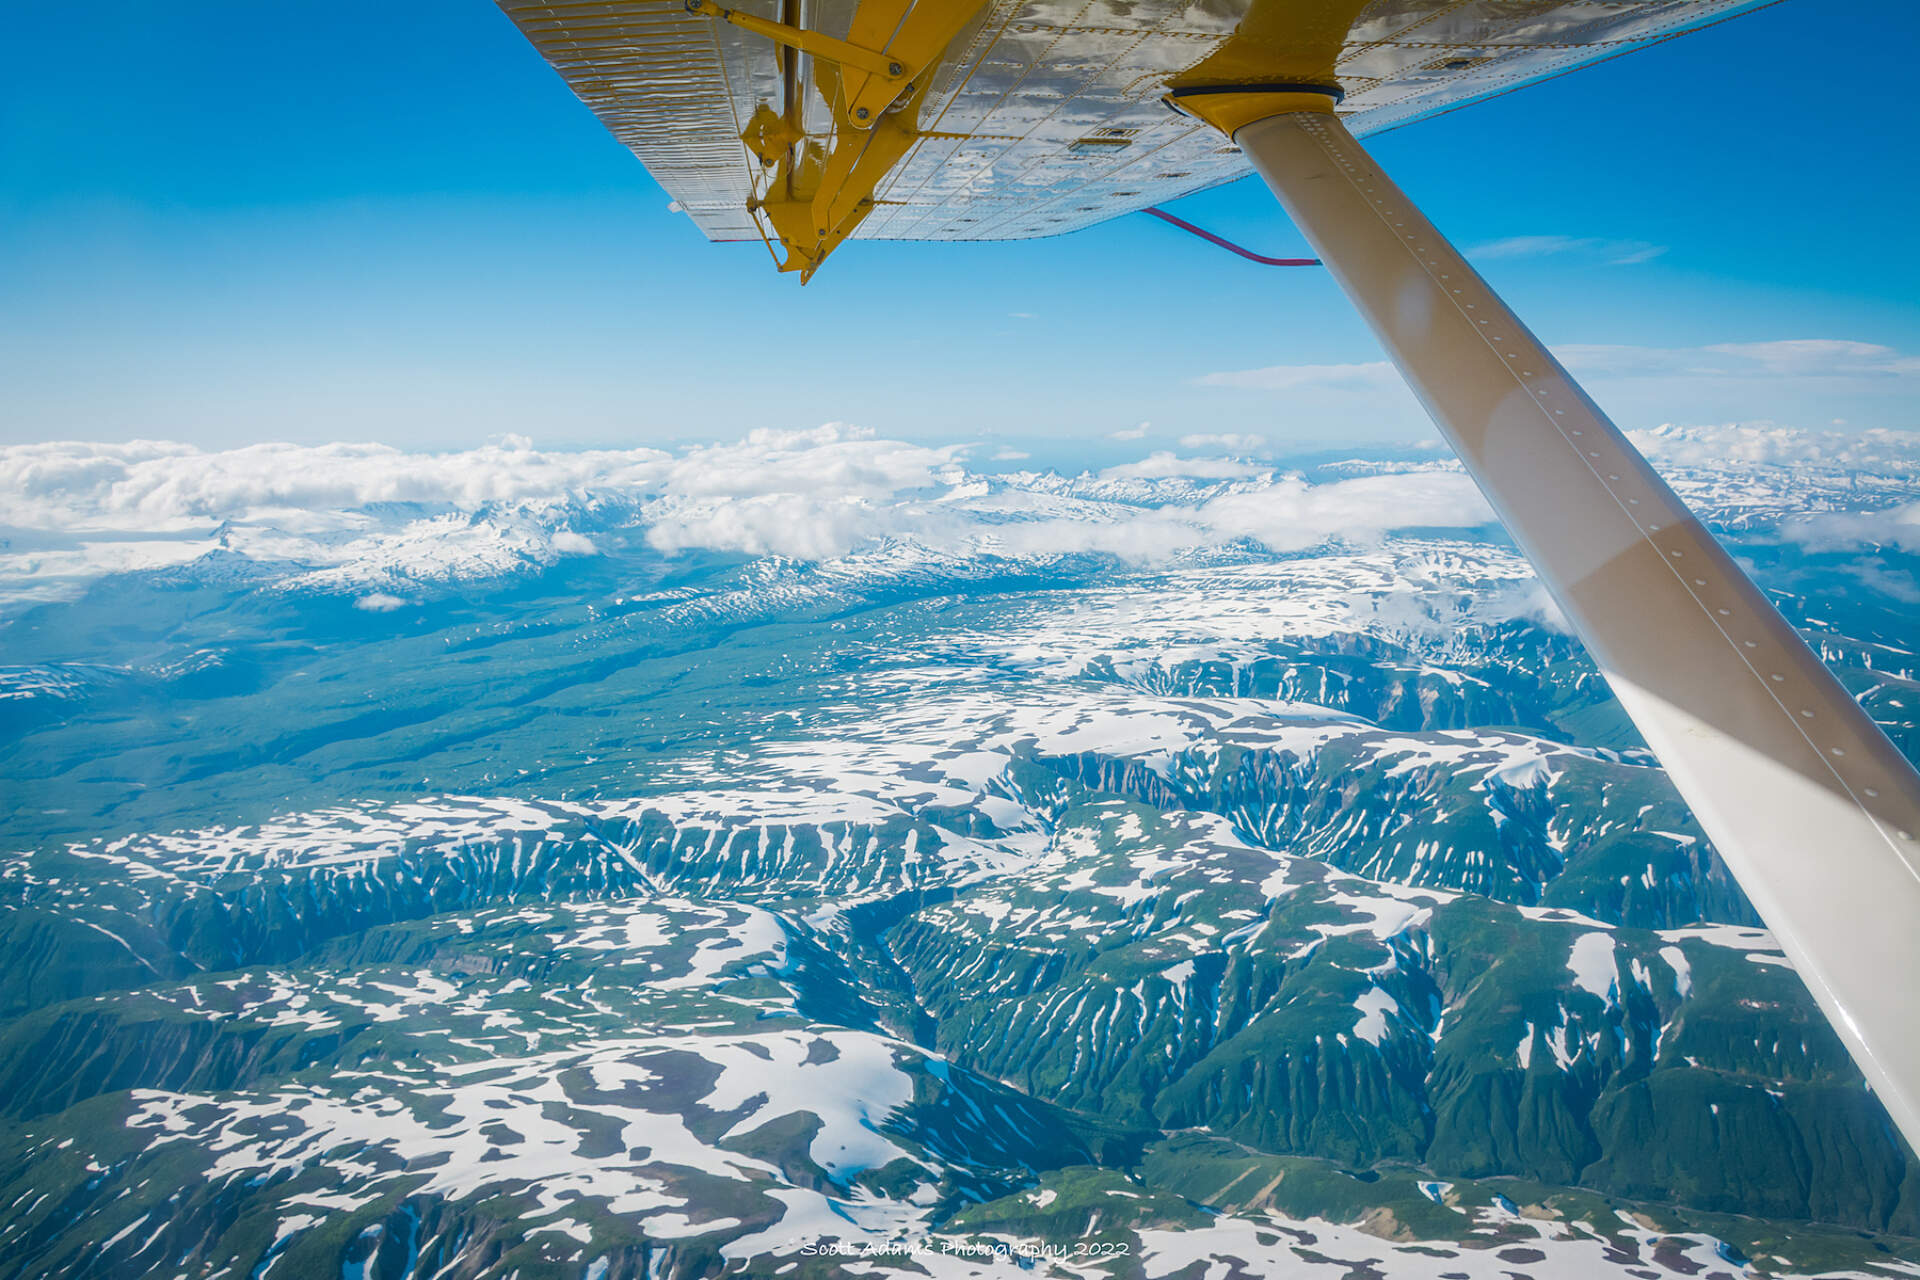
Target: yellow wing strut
column 874, row 82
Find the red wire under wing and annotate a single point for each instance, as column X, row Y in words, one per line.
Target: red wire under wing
column 1229, row 245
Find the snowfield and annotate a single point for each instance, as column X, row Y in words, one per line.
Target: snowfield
column 824, row 856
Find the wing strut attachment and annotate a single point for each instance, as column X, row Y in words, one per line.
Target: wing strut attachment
column 1812, row 807
column 813, row 192
column 881, row 65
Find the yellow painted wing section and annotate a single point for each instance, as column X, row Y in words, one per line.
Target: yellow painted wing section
column 1038, row 117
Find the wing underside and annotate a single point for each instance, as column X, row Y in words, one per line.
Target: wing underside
column 1040, row 117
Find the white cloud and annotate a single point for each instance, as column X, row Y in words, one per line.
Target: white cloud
column 811, row 495
column 845, row 462
column 1522, row 247
column 1282, row 513
column 1827, row 490
column 1876, row 577
column 1619, row 253
column 159, row 485
column 1228, row 441
column 313, row 491
column 1011, row 455
column 1846, row 530
column 1136, row 432
column 380, row 526
column 1292, row 515
column 785, row 524
column 1798, row 358
column 34, row 570
column 1770, row 444
column 1803, row 380
column 1373, row 376
column 1811, row 380
column 385, row 526
column 357, row 516
column 1822, row 358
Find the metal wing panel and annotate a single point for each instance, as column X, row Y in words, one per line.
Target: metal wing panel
column 668, row 86
column 1060, row 125
column 1397, row 71
column 1046, row 116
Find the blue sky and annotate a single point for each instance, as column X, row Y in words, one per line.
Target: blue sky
column 228, row 222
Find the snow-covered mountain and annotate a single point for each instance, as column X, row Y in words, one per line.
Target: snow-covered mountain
column 817, row 857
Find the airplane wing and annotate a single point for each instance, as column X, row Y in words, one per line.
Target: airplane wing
column 1036, row 117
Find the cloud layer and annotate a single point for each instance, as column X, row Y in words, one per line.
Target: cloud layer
column 1768, row 444
column 161, row 486
column 1826, row 360
column 1811, row 381
column 346, row 517
column 1377, row 375
column 1617, row 253
column 390, row 527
